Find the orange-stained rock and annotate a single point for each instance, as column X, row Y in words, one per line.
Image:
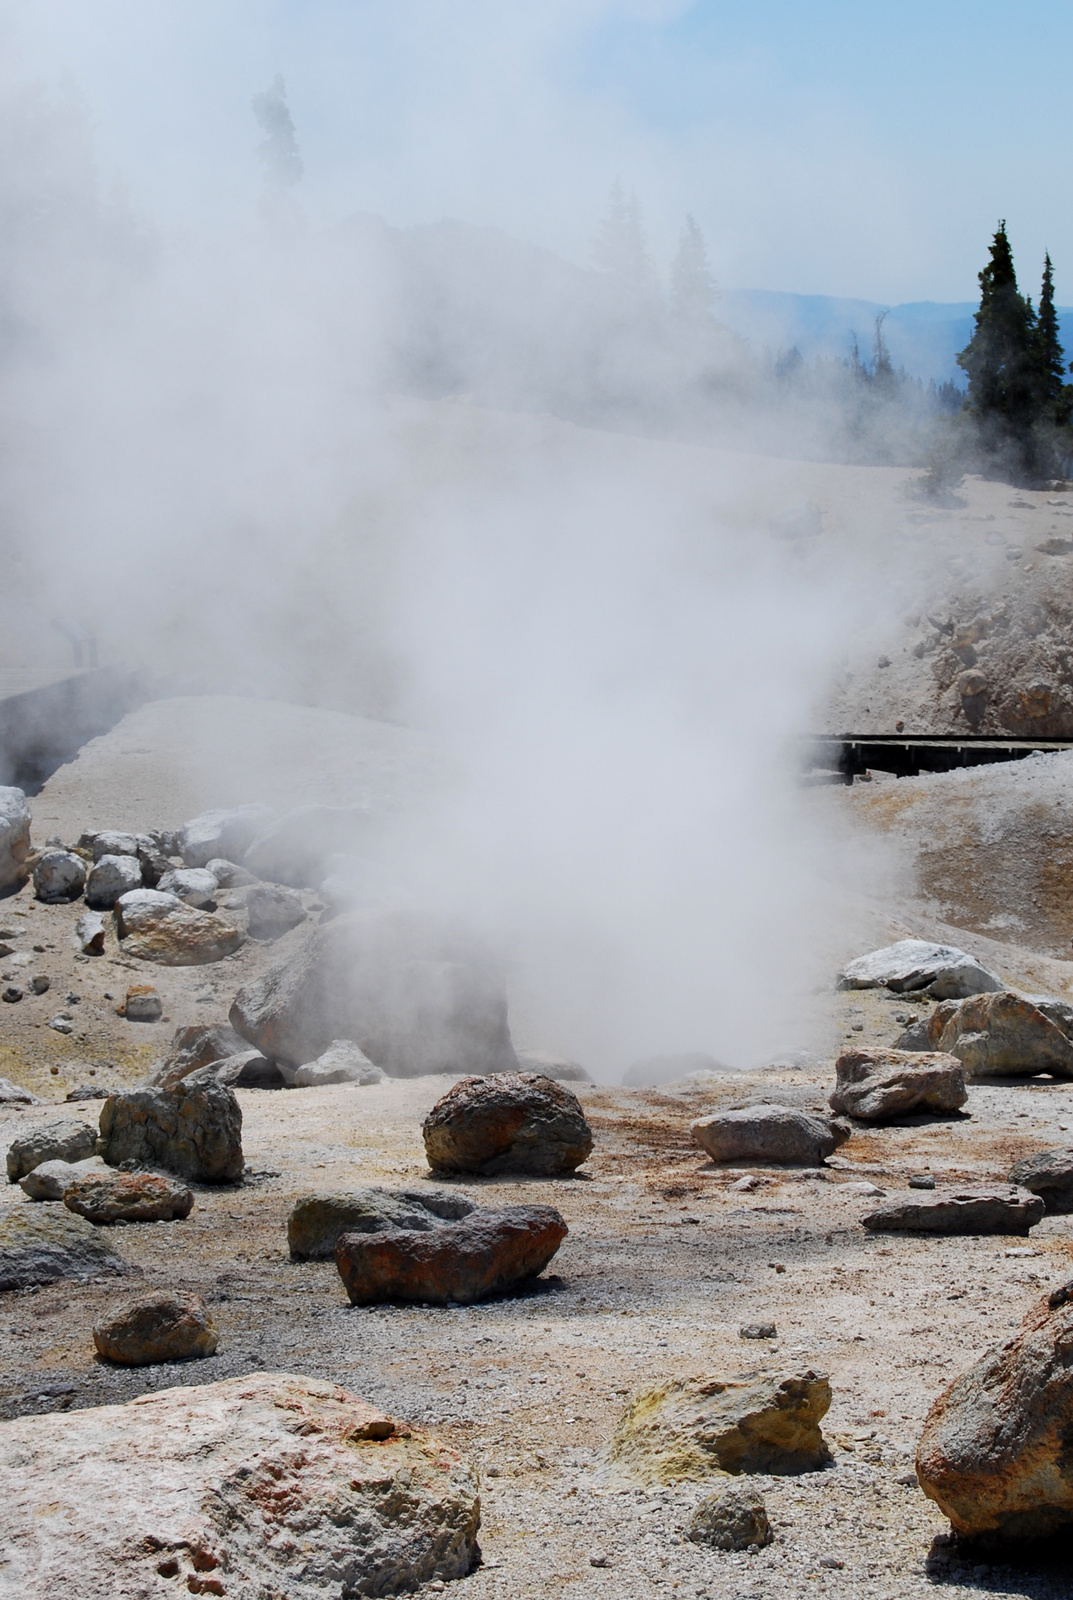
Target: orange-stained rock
column 994, row 1453
column 160, row 1326
column 266, row 1485
column 876, row 1084
column 1000, row 1035
column 104, row 1197
column 507, row 1122
column 485, row 1253
column 160, row 927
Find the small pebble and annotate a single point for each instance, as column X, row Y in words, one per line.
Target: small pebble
column 922, row 1180
column 12, row 994
column 40, row 984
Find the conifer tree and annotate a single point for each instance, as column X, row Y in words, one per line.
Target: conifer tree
column 693, row 288
column 620, row 247
column 1052, row 392
column 1000, row 358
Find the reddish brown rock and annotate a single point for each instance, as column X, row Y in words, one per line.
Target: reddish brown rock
column 104, row 1197
column 1000, row 1035
column 485, row 1253
column 156, row 1327
column 265, row 1485
column 508, row 1122
column 875, row 1085
column 994, row 1453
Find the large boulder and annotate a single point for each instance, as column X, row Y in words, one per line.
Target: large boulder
column 159, row 1326
column 876, row 1085
column 66, row 1139
column 994, row 1453
column 968, row 1209
column 342, row 1062
column 698, row 1427
column 940, row 970
column 317, row 1220
column 247, row 1069
column 160, row 927
column 511, row 1122
column 561, row 1068
column 417, row 993
column 770, row 1135
column 14, row 839
column 39, row 1244
column 194, row 886
column 226, row 834
column 112, row 877
column 265, row 1485
column 1048, row 1173
column 106, row 1197
column 1001, row 1036
column 485, row 1253
column 193, row 1132
column 196, row 1046
column 297, row 848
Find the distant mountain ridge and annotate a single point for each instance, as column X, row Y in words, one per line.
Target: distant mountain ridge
column 923, row 336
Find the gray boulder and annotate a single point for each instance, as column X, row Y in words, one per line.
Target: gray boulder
column 417, row 993
column 111, row 877
column 317, row 1221
column 222, row 833
column 272, row 911
column 940, row 970
column 14, row 839
column 64, row 1140
column 876, row 1085
column 770, row 1135
column 971, row 1209
column 14, row 1094
column 111, row 843
column 227, row 874
column 561, row 1068
column 39, row 1244
column 196, row 1046
column 1048, row 1173
column 999, row 1036
column 731, row 1519
column 59, row 875
column 297, row 848
column 49, row 1180
column 342, row 1062
column 194, row 886
column 1060, row 1012
column 249, row 1069
column 193, row 1132
column 656, row 1070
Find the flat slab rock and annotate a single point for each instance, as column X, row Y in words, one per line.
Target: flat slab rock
column 984, row 1208
column 106, row 1197
column 994, row 1451
column 1048, row 1173
column 507, row 1122
column 486, row 1253
column 317, row 1220
column 771, row 1135
column 267, row 1485
column 159, row 1326
column 875, row 1085
column 39, row 1244
column 913, row 965
column 195, row 1132
column 999, row 1036
column 695, row 1427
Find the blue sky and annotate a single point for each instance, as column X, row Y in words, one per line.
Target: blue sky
column 824, row 148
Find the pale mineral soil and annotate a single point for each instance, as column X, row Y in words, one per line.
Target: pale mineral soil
column 662, row 1266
